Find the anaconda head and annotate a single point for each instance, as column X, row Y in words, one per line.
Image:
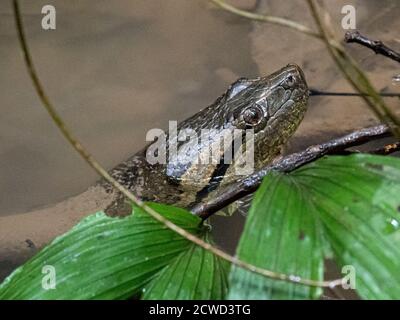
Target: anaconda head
column 265, row 110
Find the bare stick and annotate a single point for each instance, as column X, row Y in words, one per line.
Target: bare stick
column 376, row 45
column 286, row 164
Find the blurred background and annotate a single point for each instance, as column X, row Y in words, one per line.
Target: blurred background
column 116, row 69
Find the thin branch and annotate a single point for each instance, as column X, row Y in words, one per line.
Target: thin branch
column 316, row 92
column 376, row 45
column 264, row 18
column 286, row 164
column 356, row 76
column 103, row 173
column 271, row 19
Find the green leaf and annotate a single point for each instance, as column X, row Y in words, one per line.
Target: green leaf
column 104, row 257
column 195, row 274
column 358, row 201
column 283, row 235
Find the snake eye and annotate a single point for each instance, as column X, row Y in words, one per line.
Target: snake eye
column 252, row 115
column 290, row 80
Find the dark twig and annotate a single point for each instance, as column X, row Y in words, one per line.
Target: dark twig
column 316, row 92
column 287, row 164
column 376, row 45
column 387, row 149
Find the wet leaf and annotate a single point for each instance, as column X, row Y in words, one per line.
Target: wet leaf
column 281, row 234
column 357, row 199
column 196, row 274
column 103, row 257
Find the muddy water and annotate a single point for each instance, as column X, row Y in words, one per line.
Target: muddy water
column 116, row 69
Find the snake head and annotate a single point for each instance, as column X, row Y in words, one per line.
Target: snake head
column 270, row 107
column 273, row 107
